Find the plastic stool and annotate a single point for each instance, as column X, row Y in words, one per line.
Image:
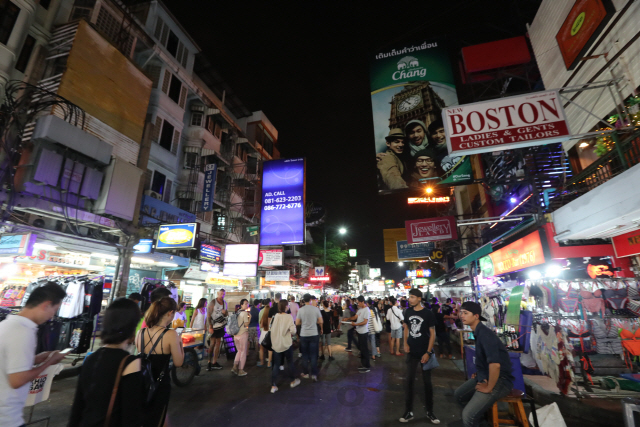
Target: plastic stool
column 514, row 399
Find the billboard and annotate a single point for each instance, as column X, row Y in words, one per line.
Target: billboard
column 627, row 244
column 283, row 198
column 241, row 253
column 144, row 246
column 177, row 236
column 17, row 244
column 375, row 272
column 410, row 85
column 209, row 187
column 277, row 275
column 270, row 257
column 522, row 253
column 241, row 269
column 210, row 253
column 432, row 229
column 505, row 123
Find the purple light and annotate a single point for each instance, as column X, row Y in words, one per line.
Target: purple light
column 513, row 200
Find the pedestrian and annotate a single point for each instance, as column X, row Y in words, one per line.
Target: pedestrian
column 396, row 319
column 264, row 327
column 199, row 314
column 325, row 338
column 135, row 297
column 494, row 378
column 309, row 318
column 253, row 325
column 375, row 346
column 161, row 345
column 282, row 328
column 180, row 316
column 100, row 370
column 335, row 317
column 241, row 339
column 348, row 313
column 154, row 296
column 361, row 323
column 293, row 307
column 216, row 320
column 19, row 364
column 444, row 342
column 419, row 337
column 274, row 307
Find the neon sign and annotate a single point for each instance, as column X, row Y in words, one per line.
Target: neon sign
column 418, row 200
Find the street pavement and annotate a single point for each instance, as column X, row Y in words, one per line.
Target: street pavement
column 341, row 397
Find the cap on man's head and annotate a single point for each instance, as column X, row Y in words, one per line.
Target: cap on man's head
column 394, row 134
column 416, row 293
column 473, row 308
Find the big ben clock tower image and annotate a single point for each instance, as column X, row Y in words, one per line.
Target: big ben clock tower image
column 417, row 101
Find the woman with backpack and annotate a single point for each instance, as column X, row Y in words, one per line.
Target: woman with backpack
column 112, row 368
column 282, row 327
column 241, row 339
column 159, row 345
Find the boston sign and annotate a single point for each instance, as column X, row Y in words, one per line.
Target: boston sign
column 427, row 230
column 502, row 124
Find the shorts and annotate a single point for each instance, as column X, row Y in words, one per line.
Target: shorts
column 253, row 333
column 325, row 339
column 218, row 333
column 396, row 333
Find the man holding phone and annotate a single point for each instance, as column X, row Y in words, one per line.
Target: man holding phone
column 18, row 363
column 493, row 379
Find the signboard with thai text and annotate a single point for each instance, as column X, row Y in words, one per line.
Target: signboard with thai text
column 627, row 244
column 270, row 258
column 431, row 229
column 523, row 253
column 277, row 275
column 420, row 200
column 408, row 250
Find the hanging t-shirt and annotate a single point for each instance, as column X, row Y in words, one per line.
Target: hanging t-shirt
column 73, row 303
column 419, row 323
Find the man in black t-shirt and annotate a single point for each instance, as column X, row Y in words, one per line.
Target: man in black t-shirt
column 419, row 336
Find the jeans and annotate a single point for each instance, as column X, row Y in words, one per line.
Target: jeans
column 412, row 364
column 351, row 337
column 476, row 403
column 309, row 349
column 275, row 366
column 444, row 343
column 372, row 339
column 363, row 346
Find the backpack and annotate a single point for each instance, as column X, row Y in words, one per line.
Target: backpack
column 232, row 324
column 150, row 383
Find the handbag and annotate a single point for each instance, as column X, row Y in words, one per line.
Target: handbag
column 265, row 339
column 114, row 392
column 432, row 363
column 145, row 367
column 377, row 326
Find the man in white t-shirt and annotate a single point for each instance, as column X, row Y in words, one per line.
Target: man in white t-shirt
column 18, row 363
column 395, row 317
column 361, row 322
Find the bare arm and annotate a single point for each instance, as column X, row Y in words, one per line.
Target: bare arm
column 406, row 335
column 18, row 379
column 177, row 351
column 298, row 322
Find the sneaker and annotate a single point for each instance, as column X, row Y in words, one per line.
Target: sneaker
column 209, row 366
column 321, row 357
column 281, row 368
column 431, row 417
column 348, row 349
column 234, row 370
column 332, row 358
column 259, row 365
column 305, row 376
column 364, row 370
column 408, row 416
column 216, row 366
column 241, row 373
column 274, row 389
column 295, row 383
column 314, row 378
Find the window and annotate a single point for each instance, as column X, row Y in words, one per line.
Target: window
column 170, row 40
column 196, row 119
column 186, row 205
column 220, row 221
column 268, row 144
column 45, row 3
column 172, row 44
column 158, row 182
column 166, row 136
column 190, row 160
column 8, row 15
column 174, row 89
column 25, row 54
column 166, row 196
column 211, row 124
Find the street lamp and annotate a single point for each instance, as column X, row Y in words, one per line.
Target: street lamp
column 342, row 230
column 401, row 263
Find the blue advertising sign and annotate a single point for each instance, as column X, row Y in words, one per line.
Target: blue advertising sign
column 210, row 253
column 408, row 250
column 17, row 244
column 155, row 211
column 145, row 246
column 176, row 236
column 283, row 187
column 209, row 187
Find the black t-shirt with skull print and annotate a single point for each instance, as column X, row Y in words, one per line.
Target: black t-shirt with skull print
column 419, row 324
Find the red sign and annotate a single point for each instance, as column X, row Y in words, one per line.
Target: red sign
column 319, row 278
column 432, row 229
column 627, row 244
column 522, row 253
column 506, row 123
column 581, row 27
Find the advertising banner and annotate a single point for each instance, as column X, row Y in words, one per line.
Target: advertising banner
column 241, row 253
column 277, row 275
column 270, row 257
column 17, row 244
column 242, row 269
column 522, row 253
column 374, row 272
column 177, row 236
column 411, row 83
column 283, row 210
column 505, row 123
column 210, row 253
column 627, row 244
column 431, row 229
column 209, row 187
column 408, row 250
column 144, row 246
column 425, row 200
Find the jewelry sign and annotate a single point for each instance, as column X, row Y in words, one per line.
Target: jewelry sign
column 432, row 229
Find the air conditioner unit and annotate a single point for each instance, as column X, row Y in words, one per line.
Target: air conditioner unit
column 153, row 194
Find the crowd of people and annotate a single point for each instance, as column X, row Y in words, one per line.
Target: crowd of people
column 118, row 388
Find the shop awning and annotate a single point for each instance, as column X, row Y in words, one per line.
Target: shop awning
column 483, row 251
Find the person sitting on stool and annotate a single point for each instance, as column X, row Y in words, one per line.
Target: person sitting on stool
column 493, row 379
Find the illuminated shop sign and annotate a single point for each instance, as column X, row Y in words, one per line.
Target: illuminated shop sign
column 270, row 258
column 319, row 278
column 177, row 236
column 17, row 244
column 419, row 200
column 210, row 253
column 522, row 253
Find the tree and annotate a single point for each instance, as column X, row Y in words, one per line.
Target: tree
column 337, row 257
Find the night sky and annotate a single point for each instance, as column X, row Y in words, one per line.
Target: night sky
column 306, row 65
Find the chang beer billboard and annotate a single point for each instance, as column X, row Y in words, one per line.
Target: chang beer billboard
column 411, row 83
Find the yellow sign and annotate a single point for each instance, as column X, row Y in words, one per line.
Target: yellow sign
column 391, row 236
column 222, row 281
column 176, row 236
